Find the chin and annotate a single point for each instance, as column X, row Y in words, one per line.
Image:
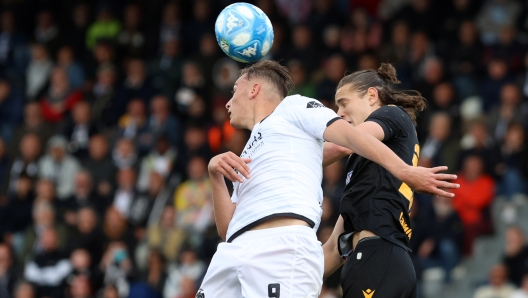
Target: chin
column 235, row 124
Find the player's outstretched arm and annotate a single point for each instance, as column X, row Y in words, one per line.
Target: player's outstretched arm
column 332, row 259
column 220, row 166
column 426, row 180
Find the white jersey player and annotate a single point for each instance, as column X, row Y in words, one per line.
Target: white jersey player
column 271, row 218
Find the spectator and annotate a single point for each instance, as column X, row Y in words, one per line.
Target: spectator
column 169, row 29
column 124, row 154
column 509, row 111
column 59, row 166
column 135, row 85
column 397, row 49
column 511, row 166
column 60, row 99
column 166, row 68
column 193, row 198
column 14, row 42
column 134, row 125
column 200, row 23
column 498, row 284
column 515, row 255
column 75, row 72
column 125, row 192
column 47, row 32
column 166, row 236
column 465, row 59
column 162, row 123
column 80, row 287
column 150, row 284
column 494, row 16
column 49, row 267
column 80, row 129
column 335, row 68
column 33, row 124
column 27, row 163
column 183, row 276
column 18, row 215
column 221, row 132
column 11, row 109
column 7, row 272
column 82, row 266
column 102, row 54
column 89, row 235
column 104, row 27
column 83, row 196
column 159, row 161
column 303, row 49
column 438, row 237
column 208, row 56
column 433, row 74
column 38, row 71
column 302, row 84
column 43, row 218
column 117, row 267
column 195, row 143
column 102, row 95
column 78, row 25
column 25, row 290
column 472, row 200
column 131, row 39
column 100, row 166
column 440, row 147
column 143, row 204
column 491, row 86
column 478, row 141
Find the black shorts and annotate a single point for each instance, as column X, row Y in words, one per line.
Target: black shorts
column 378, row 269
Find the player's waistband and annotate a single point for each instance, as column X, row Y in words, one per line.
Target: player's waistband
column 296, row 230
column 266, row 218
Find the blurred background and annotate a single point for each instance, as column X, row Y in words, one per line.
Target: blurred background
column 110, row 112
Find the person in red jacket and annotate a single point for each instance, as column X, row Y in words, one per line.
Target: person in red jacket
column 472, row 200
column 60, row 98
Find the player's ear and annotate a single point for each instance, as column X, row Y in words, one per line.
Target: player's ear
column 372, row 95
column 255, row 89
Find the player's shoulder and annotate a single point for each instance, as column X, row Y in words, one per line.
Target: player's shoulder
column 396, row 114
column 299, row 101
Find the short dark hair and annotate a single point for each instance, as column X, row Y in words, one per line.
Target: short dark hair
column 273, row 72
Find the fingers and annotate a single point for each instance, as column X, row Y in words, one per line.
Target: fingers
column 445, row 176
column 443, row 193
column 230, row 165
column 439, row 169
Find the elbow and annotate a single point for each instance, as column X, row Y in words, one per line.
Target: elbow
column 222, row 232
column 344, row 150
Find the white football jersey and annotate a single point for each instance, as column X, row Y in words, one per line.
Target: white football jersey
column 286, row 149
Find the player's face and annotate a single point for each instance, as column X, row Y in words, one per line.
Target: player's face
column 238, row 105
column 352, row 107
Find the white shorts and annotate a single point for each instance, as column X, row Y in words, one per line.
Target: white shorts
column 284, row 262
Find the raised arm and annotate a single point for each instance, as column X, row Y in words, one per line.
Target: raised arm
column 220, row 166
column 420, row 179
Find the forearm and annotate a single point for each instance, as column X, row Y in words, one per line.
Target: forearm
column 332, row 259
column 333, row 153
column 366, row 145
column 222, row 205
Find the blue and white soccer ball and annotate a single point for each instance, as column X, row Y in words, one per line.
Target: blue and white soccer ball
column 244, row 32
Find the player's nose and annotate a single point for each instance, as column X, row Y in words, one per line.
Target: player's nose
column 228, row 105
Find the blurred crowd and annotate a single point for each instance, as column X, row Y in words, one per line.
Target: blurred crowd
column 111, row 110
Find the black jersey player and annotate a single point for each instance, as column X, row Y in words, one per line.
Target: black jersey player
column 373, row 231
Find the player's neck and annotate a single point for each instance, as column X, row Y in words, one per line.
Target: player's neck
column 262, row 112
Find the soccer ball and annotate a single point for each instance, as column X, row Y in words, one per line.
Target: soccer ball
column 244, row 32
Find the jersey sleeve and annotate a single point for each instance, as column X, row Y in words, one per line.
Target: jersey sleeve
column 390, row 118
column 310, row 115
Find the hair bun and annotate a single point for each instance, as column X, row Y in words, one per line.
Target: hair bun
column 388, row 73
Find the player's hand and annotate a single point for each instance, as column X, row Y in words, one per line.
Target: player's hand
column 228, row 164
column 429, row 180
